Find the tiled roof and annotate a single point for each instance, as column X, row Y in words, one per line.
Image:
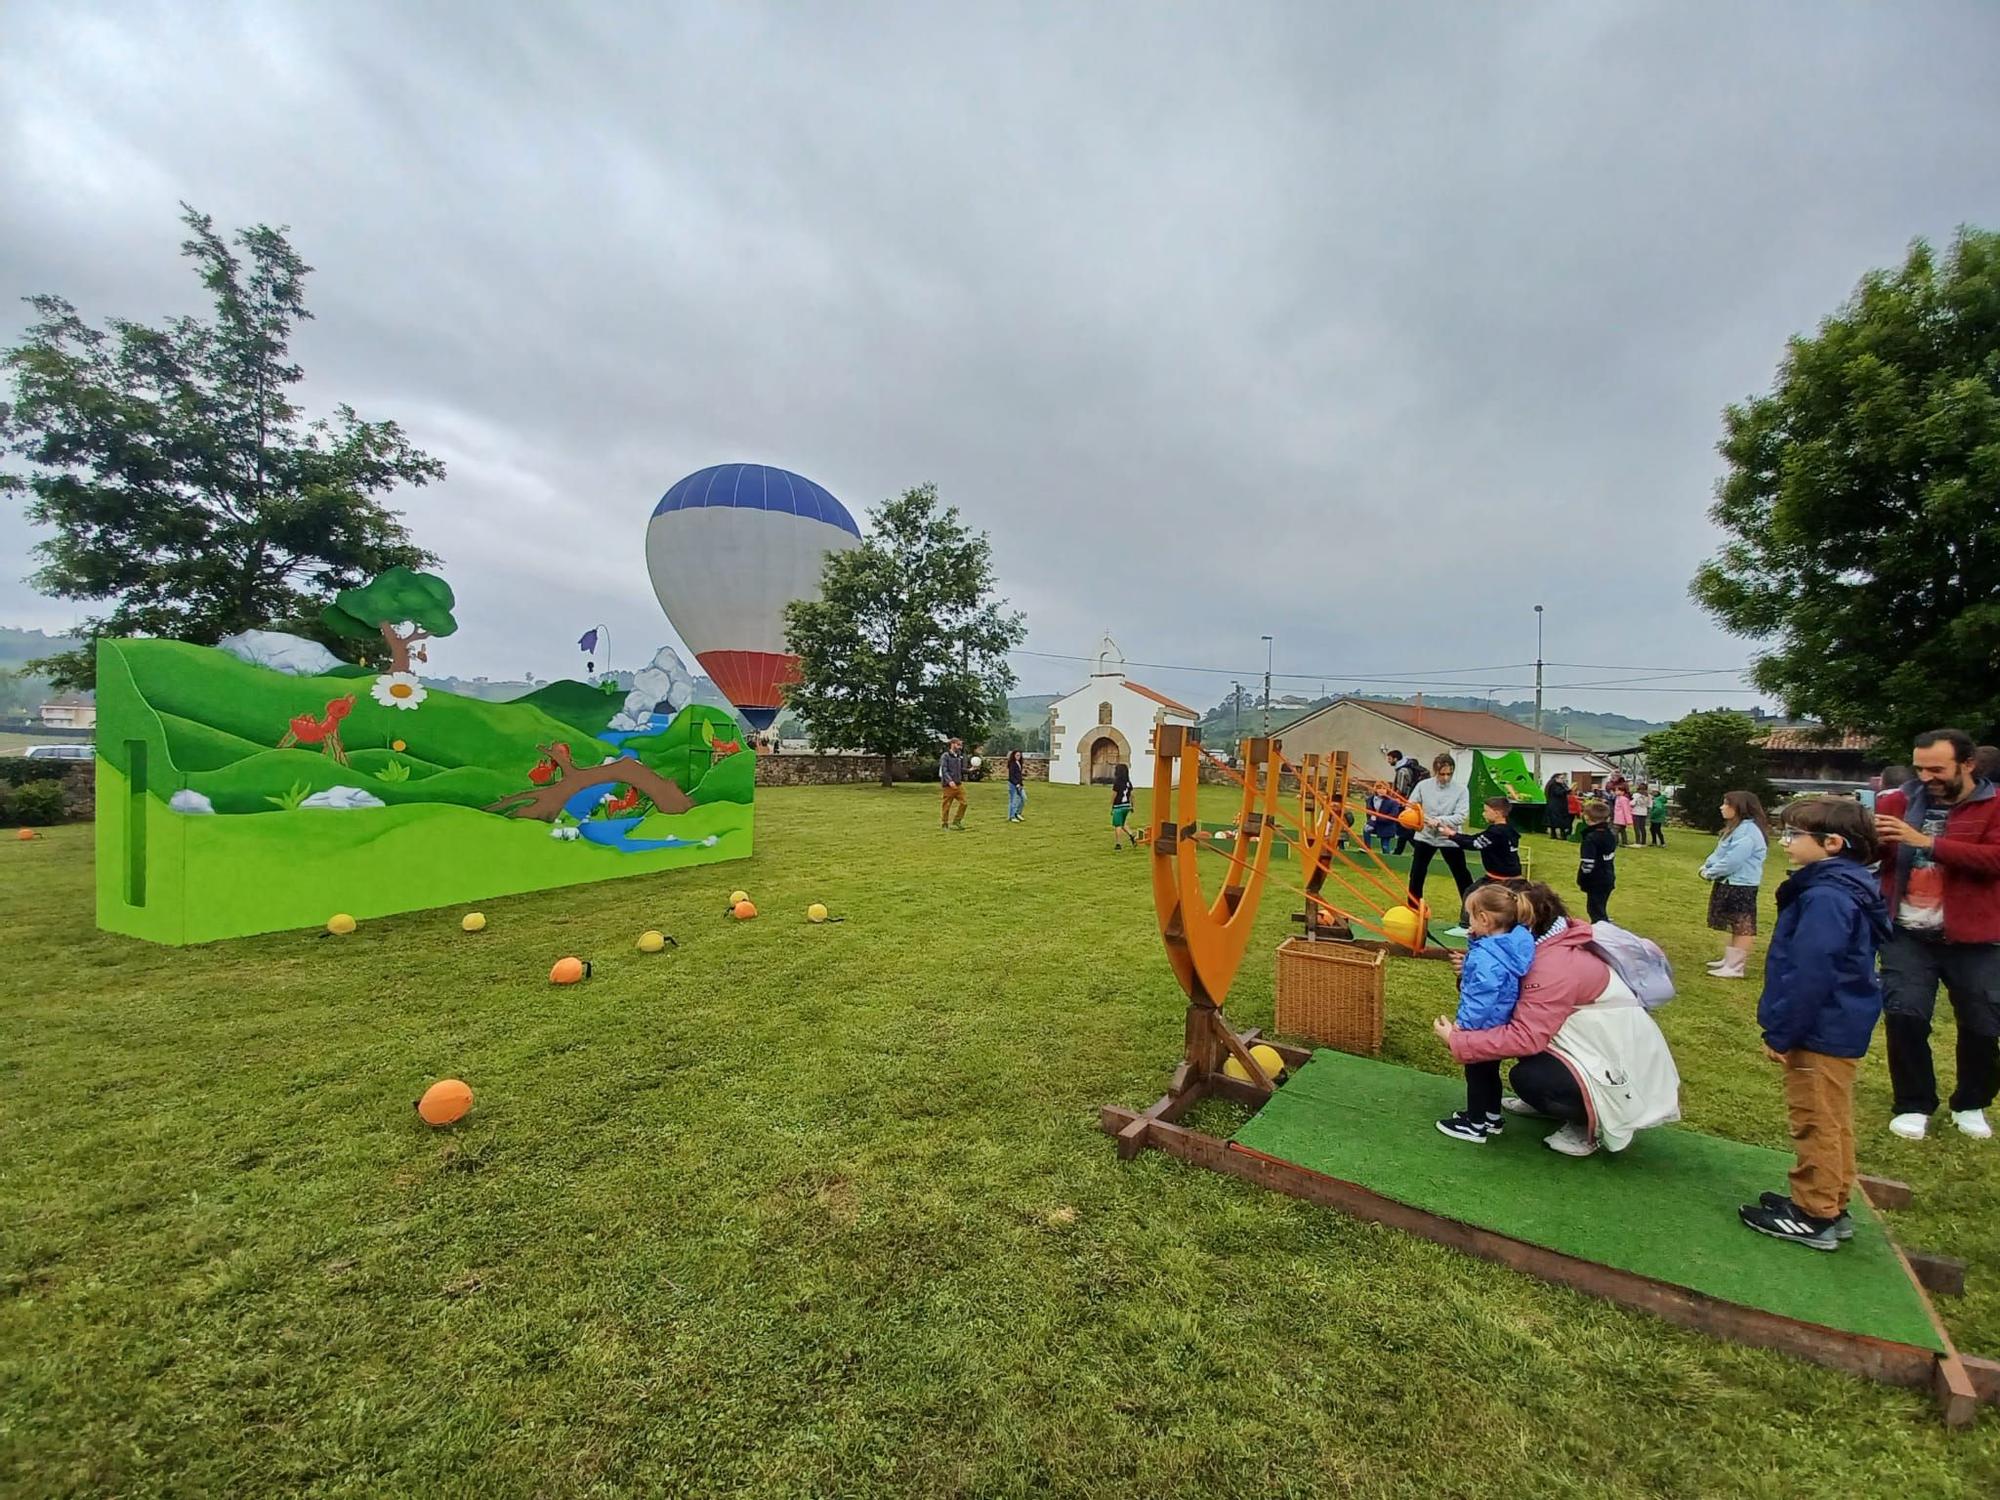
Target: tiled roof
column 1466, row 726
column 1179, row 708
column 1814, row 737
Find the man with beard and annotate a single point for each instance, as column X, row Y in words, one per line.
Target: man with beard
column 1941, row 880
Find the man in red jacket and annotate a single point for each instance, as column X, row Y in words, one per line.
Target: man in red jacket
column 1941, row 880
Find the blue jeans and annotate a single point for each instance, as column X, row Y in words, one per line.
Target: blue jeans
column 1017, row 798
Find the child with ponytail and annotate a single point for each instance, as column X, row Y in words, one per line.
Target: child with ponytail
column 1500, row 921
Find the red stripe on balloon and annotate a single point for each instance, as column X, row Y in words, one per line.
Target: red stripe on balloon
column 751, row 679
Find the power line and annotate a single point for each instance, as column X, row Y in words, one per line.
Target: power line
column 1459, row 677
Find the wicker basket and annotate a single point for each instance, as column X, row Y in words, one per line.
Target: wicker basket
column 1331, row 993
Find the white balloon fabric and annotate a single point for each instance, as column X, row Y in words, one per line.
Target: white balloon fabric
column 728, row 548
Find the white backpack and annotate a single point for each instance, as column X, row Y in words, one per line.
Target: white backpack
column 1640, row 962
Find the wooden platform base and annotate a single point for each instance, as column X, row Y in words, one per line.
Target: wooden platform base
column 1959, row 1384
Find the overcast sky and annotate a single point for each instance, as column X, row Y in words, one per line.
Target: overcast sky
column 1168, row 299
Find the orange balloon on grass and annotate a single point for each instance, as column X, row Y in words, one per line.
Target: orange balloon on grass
column 743, row 911
column 569, row 971
column 445, row 1102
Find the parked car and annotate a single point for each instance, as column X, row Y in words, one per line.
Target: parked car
column 59, row 752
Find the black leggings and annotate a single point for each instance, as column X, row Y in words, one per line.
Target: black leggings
column 1547, row 1086
column 1598, row 905
column 1660, row 835
column 1454, row 861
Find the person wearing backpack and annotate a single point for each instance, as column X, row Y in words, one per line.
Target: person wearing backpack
column 1820, row 1004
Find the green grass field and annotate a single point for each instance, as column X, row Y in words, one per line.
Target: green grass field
column 798, row 1210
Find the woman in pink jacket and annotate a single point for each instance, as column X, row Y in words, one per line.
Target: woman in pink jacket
column 1565, row 976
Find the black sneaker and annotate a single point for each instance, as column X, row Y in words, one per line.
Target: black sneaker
column 1465, row 1127
column 1790, row 1223
column 1843, row 1227
column 1494, row 1124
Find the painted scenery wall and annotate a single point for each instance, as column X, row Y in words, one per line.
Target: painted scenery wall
column 235, row 797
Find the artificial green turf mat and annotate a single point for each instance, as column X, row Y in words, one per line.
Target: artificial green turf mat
column 1664, row 1207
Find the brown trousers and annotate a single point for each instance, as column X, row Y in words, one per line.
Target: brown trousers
column 1819, row 1103
column 953, row 794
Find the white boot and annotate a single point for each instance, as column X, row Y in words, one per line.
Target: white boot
column 1731, row 966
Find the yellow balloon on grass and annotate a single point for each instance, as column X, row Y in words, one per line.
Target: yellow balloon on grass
column 475, row 921
column 816, row 912
column 737, row 898
column 340, row 924
column 652, row 942
column 1268, row 1058
column 1402, row 925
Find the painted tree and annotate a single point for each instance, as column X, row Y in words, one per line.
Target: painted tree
column 181, row 483
column 1862, row 505
column 906, row 645
column 400, row 608
column 1707, row 754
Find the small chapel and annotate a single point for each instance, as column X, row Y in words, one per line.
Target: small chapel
column 1109, row 719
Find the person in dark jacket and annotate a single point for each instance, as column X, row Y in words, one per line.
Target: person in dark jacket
column 1499, row 845
column 1017, row 787
column 1556, row 819
column 1597, row 861
column 1820, row 1004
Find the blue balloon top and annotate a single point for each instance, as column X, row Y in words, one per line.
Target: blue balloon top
column 757, row 487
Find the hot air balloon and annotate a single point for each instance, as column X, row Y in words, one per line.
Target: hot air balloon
column 728, row 548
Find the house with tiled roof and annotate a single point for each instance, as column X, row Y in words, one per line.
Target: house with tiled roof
column 1810, row 758
column 1109, row 719
column 1365, row 727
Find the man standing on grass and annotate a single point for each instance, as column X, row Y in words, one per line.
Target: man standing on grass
column 1941, row 879
column 951, row 784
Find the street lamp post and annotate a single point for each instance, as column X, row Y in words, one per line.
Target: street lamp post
column 1538, row 692
column 1270, row 650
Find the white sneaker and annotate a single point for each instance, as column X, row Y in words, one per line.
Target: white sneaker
column 1572, row 1140
column 1973, row 1123
column 1456, row 932
column 1912, row 1127
column 1514, row 1105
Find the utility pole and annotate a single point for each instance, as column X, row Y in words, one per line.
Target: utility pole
column 1270, row 649
column 1237, row 738
column 1538, row 692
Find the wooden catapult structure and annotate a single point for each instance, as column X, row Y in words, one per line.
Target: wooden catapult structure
column 1206, row 941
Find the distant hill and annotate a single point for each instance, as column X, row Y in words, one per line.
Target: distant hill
column 1031, row 710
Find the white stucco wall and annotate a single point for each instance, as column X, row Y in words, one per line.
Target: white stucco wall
column 1074, row 728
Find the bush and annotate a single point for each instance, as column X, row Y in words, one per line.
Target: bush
column 38, row 802
column 18, row 770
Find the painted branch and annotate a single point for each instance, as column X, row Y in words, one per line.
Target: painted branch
column 546, row 802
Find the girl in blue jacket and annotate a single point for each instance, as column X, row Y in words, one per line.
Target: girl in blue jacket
column 1500, row 921
column 1819, row 1007
column 1737, row 870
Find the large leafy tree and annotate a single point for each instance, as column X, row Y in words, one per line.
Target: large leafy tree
column 906, row 645
column 1708, row 754
column 183, row 484
column 1862, row 505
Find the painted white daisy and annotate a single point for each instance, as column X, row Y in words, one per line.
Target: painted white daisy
column 398, row 690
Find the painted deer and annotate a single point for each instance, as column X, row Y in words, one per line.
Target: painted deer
column 323, row 731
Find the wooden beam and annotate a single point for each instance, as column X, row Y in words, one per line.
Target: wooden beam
column 1886, row 1192
column 1878, row 1359
column 1944, row 1274
column 1985, row 1376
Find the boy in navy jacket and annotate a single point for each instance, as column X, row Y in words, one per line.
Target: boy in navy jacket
column 1819, row 1007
